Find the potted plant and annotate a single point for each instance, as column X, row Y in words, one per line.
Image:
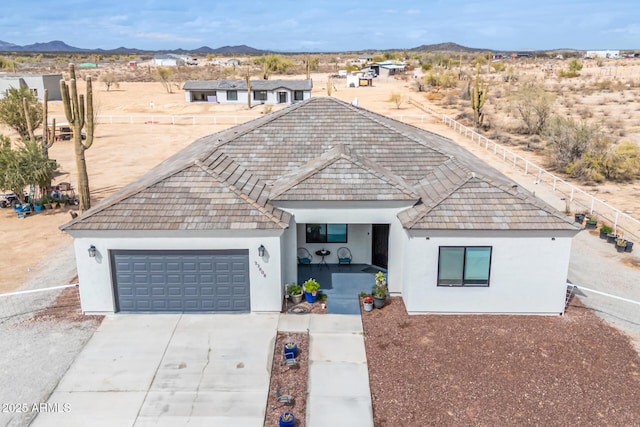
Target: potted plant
column 604, row 230
column 591, row 223
column 367, row 303
column 612, row 238
column 379, row 291
column 287, row 419
column 621, row 245
column 311, row 287
column 579, row 217
column 290, row 350
column 629, row 246
column 295, row 293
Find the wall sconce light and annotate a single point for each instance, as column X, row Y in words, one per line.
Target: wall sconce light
column 92, row 251
column 261, row 251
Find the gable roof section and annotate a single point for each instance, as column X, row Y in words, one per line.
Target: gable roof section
column 194, row 198
column 479, row 204
column 238, row 84
column 338, row 176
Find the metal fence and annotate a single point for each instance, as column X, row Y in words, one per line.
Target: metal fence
column 22, row 305
column 575, row 197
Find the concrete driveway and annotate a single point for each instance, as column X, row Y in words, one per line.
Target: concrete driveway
column 168, row 370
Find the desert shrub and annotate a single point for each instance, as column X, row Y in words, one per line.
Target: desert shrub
column 585, row 151
column 498, row 67
column 622, row 163
column 533, row 105
column 426, row 67
column 396, row 98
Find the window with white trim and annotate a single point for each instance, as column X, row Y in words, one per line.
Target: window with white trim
column 464, row 265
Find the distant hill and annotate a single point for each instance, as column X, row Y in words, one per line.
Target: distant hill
column 446, row 47
column 60, row 46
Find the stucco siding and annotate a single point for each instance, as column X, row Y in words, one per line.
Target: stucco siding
column 95, row 276
column 527, row 275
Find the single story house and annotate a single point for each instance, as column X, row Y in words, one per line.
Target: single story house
column 235, row 91
column 602, row 54
column 173, row 60
column 387, row 68
column 37, row 83
column 217, row 226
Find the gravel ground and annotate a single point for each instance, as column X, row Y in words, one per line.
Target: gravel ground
column 500, row 370
column 595, row 264
column 41, row 334
column 290, row 380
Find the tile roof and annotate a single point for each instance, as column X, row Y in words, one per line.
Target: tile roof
column 242, row 85
column 321, row 149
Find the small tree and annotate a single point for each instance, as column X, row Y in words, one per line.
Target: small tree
column 396, row 98
column 12, row 111
column 164, row 77
column 534, row 106
column 24, row 166
column 110, row 79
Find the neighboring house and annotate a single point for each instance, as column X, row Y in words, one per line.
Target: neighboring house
column 387, row 68
column 36, row 82
column 173, row 60
column 602, row 54
column 235, row 91
column 216, row 227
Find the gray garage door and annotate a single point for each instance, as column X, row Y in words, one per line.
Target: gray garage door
column 181, row 281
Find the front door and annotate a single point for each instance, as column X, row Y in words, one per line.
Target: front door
column 380, row 245
column 282, row 97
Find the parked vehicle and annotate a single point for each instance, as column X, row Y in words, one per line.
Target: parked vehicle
column 8, row 199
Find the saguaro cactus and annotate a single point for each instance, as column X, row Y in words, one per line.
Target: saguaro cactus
column 48, row 135
column 478, row 96
column 79, row 118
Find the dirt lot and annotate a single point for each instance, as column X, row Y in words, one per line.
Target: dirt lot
column 126, row 148
column 499, row 370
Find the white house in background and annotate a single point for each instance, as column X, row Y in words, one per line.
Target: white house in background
column 173, row 60
column 235, row 91
column 602, row 54
column 37, row 83
column 216, row 227
column 387, row 68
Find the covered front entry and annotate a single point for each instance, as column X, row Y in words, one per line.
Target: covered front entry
column 181, row 281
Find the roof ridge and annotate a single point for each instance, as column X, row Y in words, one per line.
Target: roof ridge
column 243, row 195
column 382, row 173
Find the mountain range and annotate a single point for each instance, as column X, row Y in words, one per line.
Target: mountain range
column 60, row 46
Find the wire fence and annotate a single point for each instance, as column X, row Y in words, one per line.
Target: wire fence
column 624, row 312
column 23, row 305
column 577, row 199
column 168, row 119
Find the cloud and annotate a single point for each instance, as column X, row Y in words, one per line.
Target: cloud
column 390, row 11
column 413, row 12
column 166, row 36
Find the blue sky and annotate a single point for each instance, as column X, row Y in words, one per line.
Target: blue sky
column 324, row 25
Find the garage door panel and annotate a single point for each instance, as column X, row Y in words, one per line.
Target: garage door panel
column 181, row 281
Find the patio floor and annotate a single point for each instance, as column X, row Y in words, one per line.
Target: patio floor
column 341, row 283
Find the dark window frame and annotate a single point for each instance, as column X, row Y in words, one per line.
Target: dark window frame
column 326, row 234
column 298, row 95
column 234, row 97
column 463, row 283
column 261, row 93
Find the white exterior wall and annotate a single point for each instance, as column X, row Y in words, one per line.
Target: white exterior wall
column 94, row 274
column 603, row 53
column 359, row 220
column 527, row 275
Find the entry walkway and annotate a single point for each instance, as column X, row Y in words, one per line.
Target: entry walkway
column 338, row 391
